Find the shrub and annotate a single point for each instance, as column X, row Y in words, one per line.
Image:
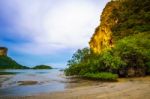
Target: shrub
column 129, row 53
column 102, row 76
column 148, row 67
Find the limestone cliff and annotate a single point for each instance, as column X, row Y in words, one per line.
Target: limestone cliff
column 102, row 38
column 120, row 18
column 3, row 51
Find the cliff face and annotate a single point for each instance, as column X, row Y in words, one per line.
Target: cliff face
column 3, row 51
column 102, row 38
column 120, row 18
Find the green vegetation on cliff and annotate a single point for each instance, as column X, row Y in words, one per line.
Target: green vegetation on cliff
column 125, row 24
column 133, row 16
column 42, row 67
column 8, row 63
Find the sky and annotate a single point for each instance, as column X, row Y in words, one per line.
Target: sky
column 47, row 31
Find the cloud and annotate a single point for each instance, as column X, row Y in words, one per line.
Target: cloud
column 51, row 25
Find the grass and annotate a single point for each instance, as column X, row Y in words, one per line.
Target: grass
column 105, row 76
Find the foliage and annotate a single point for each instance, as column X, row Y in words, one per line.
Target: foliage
column 92, row 63
column 42, row 67
column 8, row 63
column 79, row 56
column 129, row 52
column 135, row 52
column 102, row 76
column 133, row 16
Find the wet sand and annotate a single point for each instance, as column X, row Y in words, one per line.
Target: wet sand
column 4, row 78
column 125, row 88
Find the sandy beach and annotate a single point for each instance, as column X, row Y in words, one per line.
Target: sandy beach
column 125, row 88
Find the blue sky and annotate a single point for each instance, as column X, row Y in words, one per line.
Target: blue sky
column 47, row 31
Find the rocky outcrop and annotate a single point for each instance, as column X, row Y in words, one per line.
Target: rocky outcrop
column 102, row 38
column 3, row 51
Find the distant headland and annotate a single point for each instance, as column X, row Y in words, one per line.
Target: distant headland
column 42, row 67
column 7, row 62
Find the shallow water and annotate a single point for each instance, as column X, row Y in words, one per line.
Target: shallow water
column 29, row 82
column 32, row 82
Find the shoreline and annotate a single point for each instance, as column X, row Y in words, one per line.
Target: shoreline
column 125, row 88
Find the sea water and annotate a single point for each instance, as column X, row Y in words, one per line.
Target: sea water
column 30, row 82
